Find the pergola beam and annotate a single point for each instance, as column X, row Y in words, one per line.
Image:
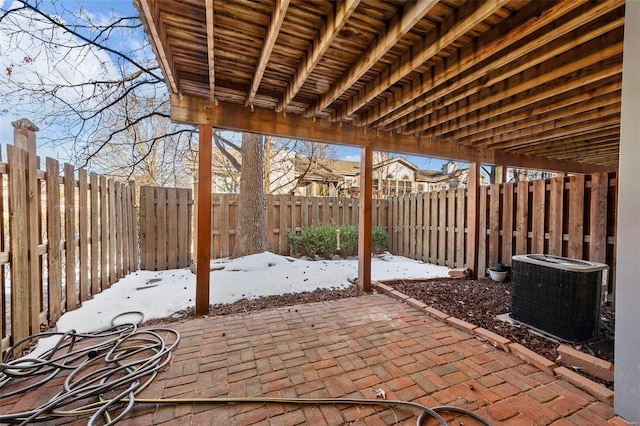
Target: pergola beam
column 194, row 110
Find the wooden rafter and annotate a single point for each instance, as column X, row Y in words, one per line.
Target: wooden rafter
column 328, row 32
column 526, row 106
column 549, row 127
column 545, row 123
column 398, row 27
column 488, row 44
column 158, row 40
column 403, row 65
column 536, row 114
column 495, row 77
column 512, row 90
column 551, row 145
column 477, row 78
column 211, row 47
column 277, row 18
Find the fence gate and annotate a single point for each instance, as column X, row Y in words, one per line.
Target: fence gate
column 165, row 228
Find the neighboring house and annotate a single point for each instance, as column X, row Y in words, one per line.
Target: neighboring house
column 322, row 177
column 395, row 176
column 451, row 176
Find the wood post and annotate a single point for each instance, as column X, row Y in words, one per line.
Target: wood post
column 24, row 136
column 203, row 234
column 365, row 219
column 473, row 191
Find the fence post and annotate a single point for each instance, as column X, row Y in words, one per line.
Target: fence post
column 473, row 192
column 24, row 136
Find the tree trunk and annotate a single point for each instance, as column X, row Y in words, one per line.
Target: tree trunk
column 251, row 230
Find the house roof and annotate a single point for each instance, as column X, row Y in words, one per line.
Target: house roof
column 508, row 82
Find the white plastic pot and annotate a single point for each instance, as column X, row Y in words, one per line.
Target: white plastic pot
column 497, row 276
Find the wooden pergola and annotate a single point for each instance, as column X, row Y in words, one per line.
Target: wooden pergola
column 517, row 83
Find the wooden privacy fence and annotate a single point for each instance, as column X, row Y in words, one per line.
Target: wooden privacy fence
column 429, row 226
column 564, row 216
column 286, row 213
column 165, row 228
column 63, row 238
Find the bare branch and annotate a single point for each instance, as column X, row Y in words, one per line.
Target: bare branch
column 220, row 144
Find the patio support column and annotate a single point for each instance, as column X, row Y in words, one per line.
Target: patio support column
column 627, row 294
column 473, row 190
column 365, row 219
column 203, row 226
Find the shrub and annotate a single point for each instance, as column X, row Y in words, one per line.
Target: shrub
column 295, row 242
column 348, row 240
column 321, row 241
column 379, row 239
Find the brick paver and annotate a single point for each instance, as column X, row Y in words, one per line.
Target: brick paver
column 352, row 348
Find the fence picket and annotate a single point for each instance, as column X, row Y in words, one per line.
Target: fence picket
column 576, row 216
column 112, row 231
column 556, row 196
column 442, row 227
column 482, row 232
column 460, row 235
column 161, row 234
column 94, row 229
column 494, row 224
column 83, row 225
column 69, row 237
column 507, row 223
column 104, row 235
column 18, row 222
column 419, row 226
column 451, row 224
column 522, row 215
column 538, row 213
column 598, row 217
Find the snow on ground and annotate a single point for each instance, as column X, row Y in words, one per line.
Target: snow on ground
column 158, row 294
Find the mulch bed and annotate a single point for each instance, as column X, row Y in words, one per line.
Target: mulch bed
column 479, row 302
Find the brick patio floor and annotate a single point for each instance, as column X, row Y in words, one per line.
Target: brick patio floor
column 349, row 349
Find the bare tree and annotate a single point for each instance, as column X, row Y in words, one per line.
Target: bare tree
column 517, row 175
column 252, row 219
column 151, row 153
column 283, row 167
column 92, row 83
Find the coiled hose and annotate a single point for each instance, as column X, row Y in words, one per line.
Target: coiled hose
column 104, row 371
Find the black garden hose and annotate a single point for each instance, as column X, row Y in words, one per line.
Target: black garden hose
column 106, row 370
